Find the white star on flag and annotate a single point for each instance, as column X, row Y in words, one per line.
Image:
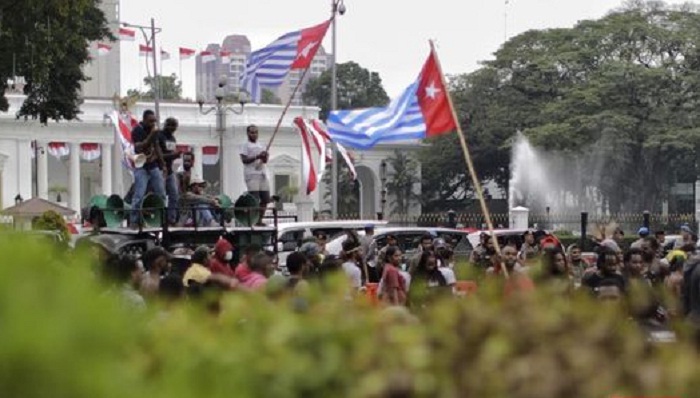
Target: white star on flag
column 432, row 91
column 306, row 50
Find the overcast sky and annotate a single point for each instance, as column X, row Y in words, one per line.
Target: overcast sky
column 387, row 36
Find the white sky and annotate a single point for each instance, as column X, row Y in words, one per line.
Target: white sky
column 387, row 36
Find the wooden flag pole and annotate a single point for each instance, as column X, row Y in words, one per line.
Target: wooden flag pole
column 470, row 164
column 286, row 108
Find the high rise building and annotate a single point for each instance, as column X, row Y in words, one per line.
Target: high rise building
column 208, row 74
column 104, row 71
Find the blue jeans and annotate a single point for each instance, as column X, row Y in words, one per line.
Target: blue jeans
column 173, row 192
column 142, row 178
column 204, row 216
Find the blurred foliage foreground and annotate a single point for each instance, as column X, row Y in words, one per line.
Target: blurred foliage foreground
column 64, row 335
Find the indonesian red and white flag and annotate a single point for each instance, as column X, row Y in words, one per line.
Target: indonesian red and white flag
column 90, row 151
column 210, row 155
column 103, row 49
column 123, row 124
column 186, row 53
column 207, row 56
column 127, row 34
column 164, row 55
column 58, row 149
column 225, row 57
column 145, row 51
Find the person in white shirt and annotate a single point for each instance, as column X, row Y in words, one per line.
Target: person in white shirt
column 352, row 254
column 254, row 158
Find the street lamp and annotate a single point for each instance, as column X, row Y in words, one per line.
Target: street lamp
column 337, row 8
column 151, row 42
column 382, row 176
column 18, row 199
column 37, row 150
column 221, row 110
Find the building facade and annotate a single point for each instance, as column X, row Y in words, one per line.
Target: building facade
column 104, row 71
column 78, row 159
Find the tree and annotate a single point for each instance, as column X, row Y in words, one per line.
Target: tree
column 170, row 88
column 269, row 97
column 52, row 221
column 402, row 182
column 357, row 88
column 617, row 99
column 46, row 42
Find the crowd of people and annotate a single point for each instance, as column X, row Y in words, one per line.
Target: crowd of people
column 166, row 171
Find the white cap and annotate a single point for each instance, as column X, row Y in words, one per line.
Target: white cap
column 195, row 179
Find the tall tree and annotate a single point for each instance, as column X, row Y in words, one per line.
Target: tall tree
column 170, row 88
column 402, row 183
column 268, row 97
column 46, row 42
column 357, row 88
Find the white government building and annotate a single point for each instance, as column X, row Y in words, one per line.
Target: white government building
column 79, row 159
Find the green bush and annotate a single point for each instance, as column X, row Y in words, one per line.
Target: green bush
column 63, row 335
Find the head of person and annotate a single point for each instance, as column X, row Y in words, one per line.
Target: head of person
column 262, row 264
column 554, row 262
column 201, row 256
column 529, row 238
column 171, row 124
column 321, row 239
column 223, row 250
column 607, row 262
column 575, row 253
column 297, row 264
column 351, row 250
column 643, row 232
column 426, row 242
column 482, row 238
column 149, row 119
column 251, row 251
column 650, row 248
column 156, row 260
column 489, row 245
column 312, row 251
column 618, row 234
column 442, row 249
column 660, row 236
column 123, row 269
column 510, row 257
column 609, row 291
column 391, row 240
column 427, row 262
column 686, row 232
column 634, row 263
column 197, row 185
column 252, row 132
column 689, row 248
column 393, row 256
column 369, row 229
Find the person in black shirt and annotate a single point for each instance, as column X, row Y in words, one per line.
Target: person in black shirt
column 607, row 270
column 168, row 145
column 145, row 137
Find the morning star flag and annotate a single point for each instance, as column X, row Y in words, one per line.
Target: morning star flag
column 422, row 110
column 269, row 66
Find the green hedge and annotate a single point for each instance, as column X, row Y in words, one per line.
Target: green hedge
column 63, row 336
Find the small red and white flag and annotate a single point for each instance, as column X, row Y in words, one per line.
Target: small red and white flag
column 210, row 155
column 103, row 49
column 207, row 56
column 183, row 148
column 90, row 151
column 225, row 57
column 145, row 51
column 127, row 34
column 58, row 149
column 123, row 124
column 164, row 55
column 187, row 53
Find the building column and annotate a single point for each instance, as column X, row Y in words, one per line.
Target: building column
column 198, row 167
column 74, row 176
column 25, row 182
column 42, row 172
column 106, row 163
column 232, row 180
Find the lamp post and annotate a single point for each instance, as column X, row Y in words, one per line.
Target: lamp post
column 151, row 42
column 382, row 177
column 337, row 8
column 18, row 199
column 221, row 110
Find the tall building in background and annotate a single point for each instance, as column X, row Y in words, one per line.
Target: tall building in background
column 208, row 74
column 104, row 71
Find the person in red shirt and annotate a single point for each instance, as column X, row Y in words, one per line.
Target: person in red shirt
column 223, row 254
column 393, row 285
column 243, row 269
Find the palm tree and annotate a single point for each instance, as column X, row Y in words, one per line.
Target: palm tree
column 348, row 192
column 402, row 183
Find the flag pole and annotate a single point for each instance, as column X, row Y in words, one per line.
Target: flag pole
column 286, row 108
column 470, row 164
